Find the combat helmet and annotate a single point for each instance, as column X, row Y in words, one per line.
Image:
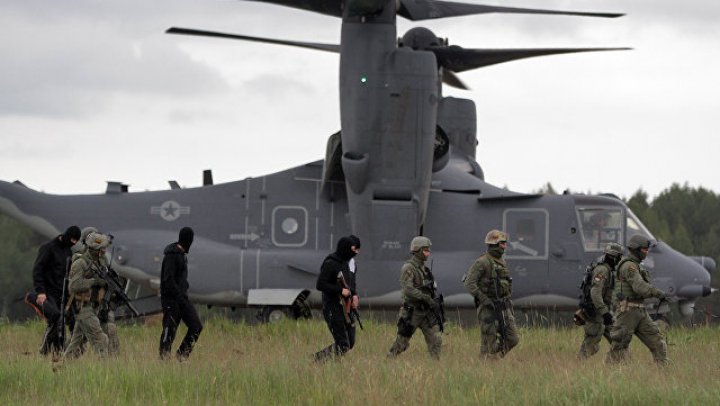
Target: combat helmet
column 638, row 241
column 419, row 243
column 495, row 237
column 97, row 241
column 614, row 249
column 86, row 232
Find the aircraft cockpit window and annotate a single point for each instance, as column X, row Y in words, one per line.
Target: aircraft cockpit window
column 600, row 226
column 528, row 233
column 634, row 226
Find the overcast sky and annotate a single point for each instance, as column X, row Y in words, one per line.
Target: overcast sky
column 93, row 90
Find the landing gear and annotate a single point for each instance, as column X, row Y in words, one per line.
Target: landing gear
column 272, row 314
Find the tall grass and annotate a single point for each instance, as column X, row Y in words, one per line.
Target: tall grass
column 234, row 363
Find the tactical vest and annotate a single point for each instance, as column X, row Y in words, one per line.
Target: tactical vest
column 94, row 294
column 623, row 289
column 422, row 279
column 487, row 280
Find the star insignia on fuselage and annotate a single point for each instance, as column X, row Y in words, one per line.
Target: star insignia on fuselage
column 170, row 210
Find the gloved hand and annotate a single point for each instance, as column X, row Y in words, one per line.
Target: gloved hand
column 607, row 319
column 434, row 306
column 660, row 295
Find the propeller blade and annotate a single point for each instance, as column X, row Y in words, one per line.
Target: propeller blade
column 202, row 33
column 328, row 7
column 458, row 59
column 451, row 79
column 430, row 9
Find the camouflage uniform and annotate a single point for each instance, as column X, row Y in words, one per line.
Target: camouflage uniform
column 594, row 327
column 105, row 314
column 601, row 292
column 418, row 309
column 480, row 281
column 86, row 291
column 631, row 288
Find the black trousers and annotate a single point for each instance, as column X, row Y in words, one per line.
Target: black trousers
column 343, row 333
column 173, row 313
column 52, row 341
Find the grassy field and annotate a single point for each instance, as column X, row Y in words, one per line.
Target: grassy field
column 234, row 363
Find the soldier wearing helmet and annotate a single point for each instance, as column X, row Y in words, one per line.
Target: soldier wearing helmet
column 106, row 315
column 421, row 304
column 86, row 292
column 488, row 281
column 631, row 289
column 599, row 317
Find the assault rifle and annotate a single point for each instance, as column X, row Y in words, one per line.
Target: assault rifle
column 346, row 302
column 499, row 307
column 63, row 300
column 439, row 309
column 114, row 288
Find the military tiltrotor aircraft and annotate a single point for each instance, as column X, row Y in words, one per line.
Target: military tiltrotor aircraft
column 403, row 164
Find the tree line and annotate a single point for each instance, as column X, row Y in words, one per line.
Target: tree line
column 686, row 218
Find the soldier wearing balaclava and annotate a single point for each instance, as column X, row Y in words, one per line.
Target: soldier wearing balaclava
column 174, row 297
column 337, row 285
column 49, row 271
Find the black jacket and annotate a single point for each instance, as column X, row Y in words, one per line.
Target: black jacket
column 173, row 277
column 50, row 268
column 327, row 282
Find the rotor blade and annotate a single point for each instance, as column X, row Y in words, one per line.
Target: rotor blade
column 327, row 7
column 458, row 59
column 451, row 79
column 429, row 9
column 201, row 33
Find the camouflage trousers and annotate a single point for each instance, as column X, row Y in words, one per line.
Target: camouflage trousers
column 636, row 321
column 87, row 326
column 409, row 321
column 595, row 330
column 490, row 339
column 110, row 329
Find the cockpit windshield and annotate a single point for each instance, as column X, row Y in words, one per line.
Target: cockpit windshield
column 635, row 226
column 600, row 226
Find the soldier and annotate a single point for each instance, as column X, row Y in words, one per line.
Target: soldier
column 106, row 315
column 335, row 293
column 87, row 289
column 48, row 279
column 601, row 291
column 631, row 289
column 420, row 308
column 174, row 298
column 488, row 281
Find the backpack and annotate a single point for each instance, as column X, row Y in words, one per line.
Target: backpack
column 586, row 303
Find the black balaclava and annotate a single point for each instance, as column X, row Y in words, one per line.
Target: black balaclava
column 495, row 250
column 639, row 254
column 356, row 241
column 344, row 248
column 611, row 260
column 72, row 233
column 186, row 238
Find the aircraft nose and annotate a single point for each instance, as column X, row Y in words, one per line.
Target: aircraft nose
column 690, row 276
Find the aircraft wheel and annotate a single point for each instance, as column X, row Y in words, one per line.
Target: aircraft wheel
column 272, row 314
